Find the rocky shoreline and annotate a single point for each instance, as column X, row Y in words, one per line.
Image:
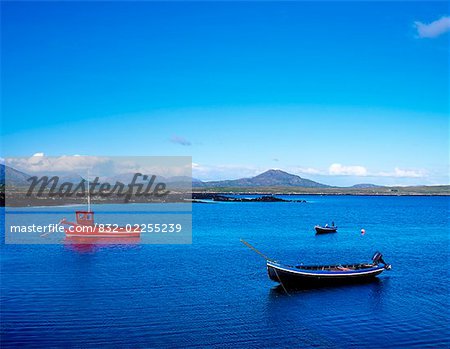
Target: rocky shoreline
column 223, row 198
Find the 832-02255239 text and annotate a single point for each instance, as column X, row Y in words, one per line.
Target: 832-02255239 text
column 106, row 228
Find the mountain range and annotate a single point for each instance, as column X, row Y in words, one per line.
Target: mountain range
column 270, row 178
column 271, row 181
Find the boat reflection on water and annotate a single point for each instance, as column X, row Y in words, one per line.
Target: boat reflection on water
column 279, row 290
column 86, row 245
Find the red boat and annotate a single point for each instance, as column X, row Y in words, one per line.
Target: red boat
column 86, row 228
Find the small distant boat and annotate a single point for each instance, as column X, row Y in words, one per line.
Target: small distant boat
column 326, row 229
column 302, row 275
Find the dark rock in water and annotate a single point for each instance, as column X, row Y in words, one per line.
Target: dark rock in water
column 224, row 198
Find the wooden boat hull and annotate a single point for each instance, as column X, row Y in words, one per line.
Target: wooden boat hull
column 323, row 230
column 292, row 276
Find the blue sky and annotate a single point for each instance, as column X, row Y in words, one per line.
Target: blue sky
column 337, row 92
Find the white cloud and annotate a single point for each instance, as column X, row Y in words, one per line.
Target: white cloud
column 309, row 170
column 402, row 173
column 361, row 171
column 434, row 28
column 408, row 173
column 103, row 167
column 341, row 170
column 41, row 163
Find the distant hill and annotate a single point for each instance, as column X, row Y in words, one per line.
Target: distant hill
column 197, row 183
column 270, row 178
column 16, row 178
column 19, row 179
column 365, row 185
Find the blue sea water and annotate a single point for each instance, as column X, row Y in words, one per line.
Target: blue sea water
column 215, row 292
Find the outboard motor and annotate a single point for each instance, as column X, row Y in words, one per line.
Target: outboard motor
column 378, row 258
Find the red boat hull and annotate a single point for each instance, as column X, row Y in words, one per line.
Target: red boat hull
column 85, row 228
column 91, row 232
column 91, row 244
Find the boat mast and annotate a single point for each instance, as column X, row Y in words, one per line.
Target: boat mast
column 88, row 194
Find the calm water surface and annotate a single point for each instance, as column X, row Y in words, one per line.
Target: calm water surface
column 215, row 292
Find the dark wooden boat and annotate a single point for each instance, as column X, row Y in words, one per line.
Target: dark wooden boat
column 302, row 275
column 325, row 230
